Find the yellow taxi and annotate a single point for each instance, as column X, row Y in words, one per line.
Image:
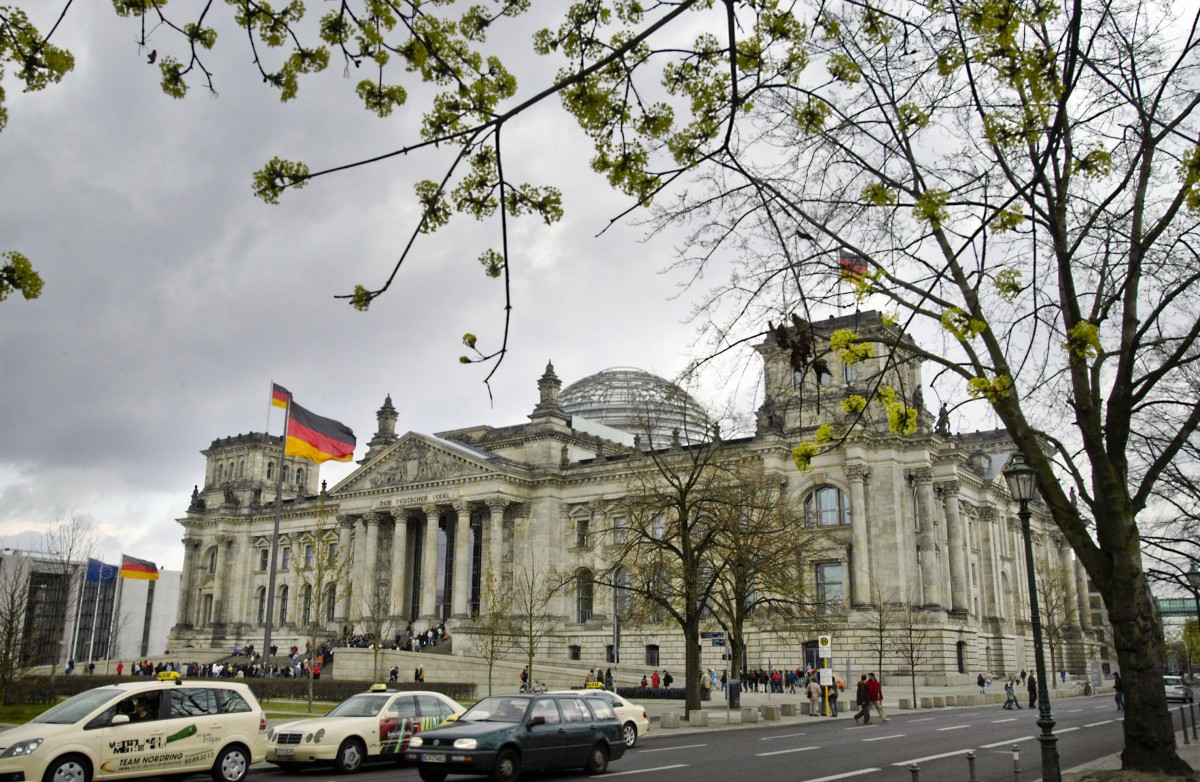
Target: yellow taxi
column 376, row 724
column 152, row 728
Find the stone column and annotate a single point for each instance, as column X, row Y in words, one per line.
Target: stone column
column 989, row 585
column 931, row 593
column 1082, row 597
column 960, row 590
column 429, row 563
column 462, row 555
column 370, row 579
column 224, row 543
column 345, row 544
column 1064, row 564
column 188, row 581
column 495, row 555
column 399, row 574
column 860, row 586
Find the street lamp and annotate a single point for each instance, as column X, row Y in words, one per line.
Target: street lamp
column 1022, row 483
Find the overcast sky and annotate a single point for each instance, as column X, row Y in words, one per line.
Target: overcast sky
column 173, row 297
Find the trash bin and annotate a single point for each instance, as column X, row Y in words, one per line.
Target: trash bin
column 734, row 693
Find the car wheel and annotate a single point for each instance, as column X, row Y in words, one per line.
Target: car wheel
column 349, row 756
column 630, row 734
column 597, row 762
column 430, row 775
column 232, row 764
column 68, row 768
column 507, row 768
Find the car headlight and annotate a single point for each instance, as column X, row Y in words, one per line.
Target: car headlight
column 21, row 748
column 465, row 743
column 416, row 741
column 320, row 734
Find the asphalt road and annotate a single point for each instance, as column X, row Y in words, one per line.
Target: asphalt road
column 824, row 750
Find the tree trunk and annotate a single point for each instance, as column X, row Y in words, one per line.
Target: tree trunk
column 691, row 656
column 1138, row 638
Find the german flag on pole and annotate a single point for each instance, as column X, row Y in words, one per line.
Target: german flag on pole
column 138, row 568
column 310, row 436
column 279, row 396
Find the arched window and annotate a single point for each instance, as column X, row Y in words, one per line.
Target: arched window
column 220, row 473
column 270, row 470
column 827, row 506
column 283, row 598
column 262, row 606
column 584, row 587
column 212, row 560
column 241, row 468
column 307, row 604
column 299, row 477
column 285, row 473
column 330, row 601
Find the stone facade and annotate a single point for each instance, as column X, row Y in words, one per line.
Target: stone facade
column 923, row 519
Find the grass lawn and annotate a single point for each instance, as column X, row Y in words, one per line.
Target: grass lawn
column 20, row 714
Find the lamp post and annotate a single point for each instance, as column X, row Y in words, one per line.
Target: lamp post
column 1193, row 579
column 1022, row 483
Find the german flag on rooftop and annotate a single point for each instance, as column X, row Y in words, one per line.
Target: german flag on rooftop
column 310, row 436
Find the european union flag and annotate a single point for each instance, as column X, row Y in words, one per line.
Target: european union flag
column 98, row 572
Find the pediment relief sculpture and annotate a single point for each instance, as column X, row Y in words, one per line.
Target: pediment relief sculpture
column 418, row 462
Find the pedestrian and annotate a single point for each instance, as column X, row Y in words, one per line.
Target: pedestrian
column 608, row 679
column 1119, row 692
column 875, row 688
column 1010, row 693
column 862, row 697
column 1032, row 684
column 1023, row 674
column 643, row 681
column 666, row 678
column 591, row 677
column 989, row 683
column 833, row 696
column 394, row 674
column 814, row 699
column 706, row 685
column 981, row 682
column 654, row 680
column 524, row 678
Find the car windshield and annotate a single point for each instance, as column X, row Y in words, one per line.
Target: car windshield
column 496, row 709
column 1173, row 681
column 359, row 706
column 77, row 707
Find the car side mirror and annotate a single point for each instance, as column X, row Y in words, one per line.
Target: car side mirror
column 535, row 721
column 119, row 719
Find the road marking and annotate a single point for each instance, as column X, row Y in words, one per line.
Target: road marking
column 923, row 719
column 1066, row 730
column 682, row 746
column 847, row 775
column 784, row 736
column 1010, row 719
column 783, row 751
column 1009, row 742
column 885, row 738
column 959, row 727
column 1072, row 711
column 645, row 770
column 932, row 757
column 1094, row 724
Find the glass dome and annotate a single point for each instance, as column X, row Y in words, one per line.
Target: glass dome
column 639, row 403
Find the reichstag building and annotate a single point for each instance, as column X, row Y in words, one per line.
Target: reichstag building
column 924, row 518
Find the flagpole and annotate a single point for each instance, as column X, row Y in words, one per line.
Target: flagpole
column 78, row 615
column 269, row 618
column 114, row 621
column 95, row 613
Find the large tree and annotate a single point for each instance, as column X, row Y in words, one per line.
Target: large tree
column 321, row 573
column 1018, row 174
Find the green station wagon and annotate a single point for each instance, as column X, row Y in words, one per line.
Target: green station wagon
column 503, row 735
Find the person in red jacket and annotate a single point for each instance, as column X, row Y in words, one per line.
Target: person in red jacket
column 875, row 691
column 654, row 680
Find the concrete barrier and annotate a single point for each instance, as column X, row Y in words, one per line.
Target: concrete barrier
column 749, row 715
column 939, row 701
column 697, row 718
column 770, row 712
column 926, row 702
column 670, row 719
column 905, row 704
column 787, row 709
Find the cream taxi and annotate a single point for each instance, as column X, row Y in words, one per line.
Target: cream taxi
column 168, row 728
column 370, row 725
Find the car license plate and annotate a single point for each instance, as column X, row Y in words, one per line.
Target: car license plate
column 427, row 758
column 283, row 751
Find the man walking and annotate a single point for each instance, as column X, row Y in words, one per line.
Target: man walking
column 1032, row 683
column 875, row 693
column 1119, row 691
column 863, row 698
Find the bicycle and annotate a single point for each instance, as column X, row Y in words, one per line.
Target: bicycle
column 1082, row 688
column 534, row 688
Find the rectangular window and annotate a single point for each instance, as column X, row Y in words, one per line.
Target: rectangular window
column 652, row 655
column 620, row 530
column 851, row 372
column 581, row 533
column 332, row 552
column 264, row 556
column 309, row 556
column 829, row 584
column 285, row 558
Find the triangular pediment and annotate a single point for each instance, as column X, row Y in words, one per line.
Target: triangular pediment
column 415, row 460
